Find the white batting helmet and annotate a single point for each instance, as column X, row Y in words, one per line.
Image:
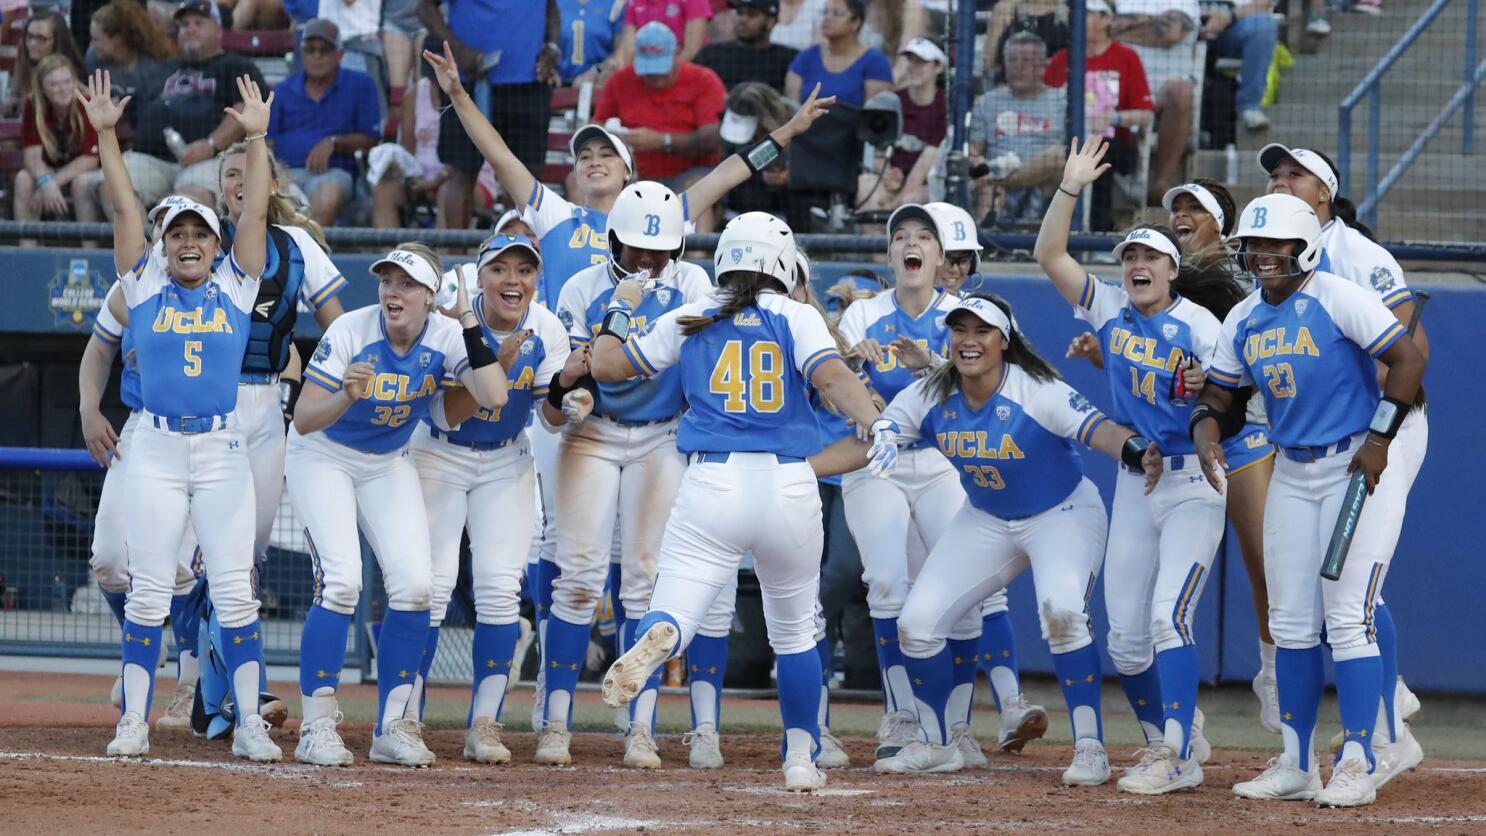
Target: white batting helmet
column 1282, row 217
column 756, row 242
column 649, row 216
column 956, row 230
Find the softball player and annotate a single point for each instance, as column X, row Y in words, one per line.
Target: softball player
column 1309, row 340
column 376, row 372
column 744, row 360
column 622, row 460
column 1347, row 250
column 1006, row 423
column 189, row 324
column 961, row 245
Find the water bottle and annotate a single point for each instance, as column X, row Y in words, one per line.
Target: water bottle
column 1230, row 164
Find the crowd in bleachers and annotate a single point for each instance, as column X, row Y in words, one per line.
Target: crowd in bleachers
column 366, row 139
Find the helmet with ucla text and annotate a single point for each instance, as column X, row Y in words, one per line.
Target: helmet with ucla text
column 756, row 242
column 649, row 216
column 1281, row 217
column 956, row 230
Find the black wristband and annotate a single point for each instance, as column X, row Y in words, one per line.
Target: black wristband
column 1200, row 413
column 556, row 391
column 1133, row 451
column 1394, row 411
column 1065, row 191
column 616, row 323
column 762, row 154
column 479, row 353
column 289, row 389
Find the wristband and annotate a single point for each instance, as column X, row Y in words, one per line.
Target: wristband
column 763, row 154
column 288, row 396
column 1388, row 417
column 479, row 353
column 1065, row 191
column 1133, row 451
column 616, row 323
column 44, row 179
column 248, row 139
column 556, row 391
column 1200, row 413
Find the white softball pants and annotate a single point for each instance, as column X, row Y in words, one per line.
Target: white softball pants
column 544, row 444
column 335, row 489
column 604, row 470
column 1161, row 548
column 110, row 554
column 262, row 421
column 981, row 553
column 199, row 480
column 724, row 509
column 489, row 492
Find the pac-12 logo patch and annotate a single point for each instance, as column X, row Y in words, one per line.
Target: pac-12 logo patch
column 425, row 359
column 663, row 296
column 1169, row 330
column 76, row 294
column 1079, row 403
column 737, row 254
column 528, row 347
column 1301, row 305
column 322, row 351
column 1382, row 279
column 1003, row 413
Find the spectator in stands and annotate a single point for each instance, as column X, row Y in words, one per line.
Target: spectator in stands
column 402, row 31
column 889, row 24
column 750, row 56
column 46, row 33
column 1047, row 19
column 587, row 39
column 843, row 66
column 1017, row 129
column 687, row 20
column 323, row 115
column 1117, row 99
column 755, row 110
column 360, row 25
column 925, row 119
column 418, row 181
column 1244, row 29
column 134, row 51
column 799, row 23
column 669, row 108
column 58, row 143
column 257, row 14
column 507, row 55
column 1163, row 33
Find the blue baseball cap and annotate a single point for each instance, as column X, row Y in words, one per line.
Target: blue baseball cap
column 655, row 49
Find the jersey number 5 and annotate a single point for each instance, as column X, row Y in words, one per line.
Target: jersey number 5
column 760, row 385
column 193, row 358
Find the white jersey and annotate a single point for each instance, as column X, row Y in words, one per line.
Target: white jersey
column 1348, row 253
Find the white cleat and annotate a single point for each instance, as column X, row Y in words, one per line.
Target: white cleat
column 1090, row 766
column 1392, row 759
column 321, row 745
column 1267, row 690
column 920, row 757
column 251, row 741
column 832, row 754
column 640, row 751
column 1197, row 746
column 626, row 677
column 177, row 717
column 1160, row 771
column 1021, row 723
column 482, row 742
column 1281, row 781
column 552, row 746
column 116, row 694
column 706, row 748
column 131, row 737
column 898, row 729
column 1350, row 786
column 970, row 751
column 802, row 775
column 401, row 743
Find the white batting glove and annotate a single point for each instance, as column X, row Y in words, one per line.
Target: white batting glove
column 882, row 459
column 577, row 405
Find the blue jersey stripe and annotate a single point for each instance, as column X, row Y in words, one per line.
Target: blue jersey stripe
column 637, row 358
column 1086, row 298
column 333, row 287
column 1389, row 337
column 814, row 360
column 100, row 333
column 1086, row 429
column 535, row 201
column 1224, row 379
column 1398, row 297
column 323, row 379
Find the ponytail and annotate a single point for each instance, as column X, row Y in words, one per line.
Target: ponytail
column 1206, row 277
column 1019, row 351
column 740, row 292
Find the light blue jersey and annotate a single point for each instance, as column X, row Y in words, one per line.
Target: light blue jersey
column 111, row 331
column 881, row 319
column 745, row 379
column 399, row 394
column 1015, row 454
column 1311, row 357
column 1141, row 355
column 573, row 238
column 542, row 355
column 589, row 28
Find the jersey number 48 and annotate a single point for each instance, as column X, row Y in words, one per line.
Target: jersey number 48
column 759, row 385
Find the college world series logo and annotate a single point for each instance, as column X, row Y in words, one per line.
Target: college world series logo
column 76, row 294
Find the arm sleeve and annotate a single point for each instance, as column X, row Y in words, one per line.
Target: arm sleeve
column 1386, row 277
column 322, row 279
column 241, row 288
column 139, row 281
column 909, row 410
column 1206, row 334
column 556, row 348
column 1135, row 89
column 698, row 9
column 369, row 110
column 1099, row 302
column 1362, row 317
column 813, row 343
column 1063, row 410
column 328, row 364
column 660, row 349
column 1227, row 370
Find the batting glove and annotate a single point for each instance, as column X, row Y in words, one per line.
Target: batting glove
column 882, row 459
column 577, row 405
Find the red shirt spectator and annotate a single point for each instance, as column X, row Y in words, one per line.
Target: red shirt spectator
column 681, row 104
column 1114, row 80
column 927, row 123
column 678, row 15
column 70, row 143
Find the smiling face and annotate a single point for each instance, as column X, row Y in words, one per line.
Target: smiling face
column 190, row 248
column 915, row 254
column 405, row 303
column 600, row 169
column 230, row 180
column 1271, row 262
column 509, row 282
column 634, row 259
column 955, row 269
column 1291, row 178
column 974, row 347
column 59, row 86
column 1195, row 227
column 41, row 39
column 1148, row 274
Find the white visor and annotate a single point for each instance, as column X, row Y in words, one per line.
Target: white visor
column 1150, row 238
column 986, row 311
column 416, row 266
column 1271, row 154
column 1203, row 195
column 192, row 207
column 587, row 132
column 738, row 129
column 166, row 204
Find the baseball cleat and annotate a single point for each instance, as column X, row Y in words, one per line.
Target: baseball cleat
column 250, row 740
column 116, row 694
column 898, row 729
column 321, row 745
column 626, row 677
column 131, row 737
column 1021, row 723
column 920, row 757
column 1392, row 759
column 1197, row 745
column 639, row 749
column 482, row 742
column 539, row 702
column 401, row 742
column 552, row 746
column 970, row 751
column 1160, row 771
column 706, row 748
column 1090, row 766
column 1267, row 690
column 801, row 774
column 832, row 754
column 1281, row 781
column 177, row 717
column 1350, row 786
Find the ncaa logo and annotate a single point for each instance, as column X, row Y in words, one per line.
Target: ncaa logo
column 1382, row 279
column 565, row 316
column 1079, row 403
column 1003, row 413
column 1301, row 305
column 663, row 296
column 322, row 351
column 1169, row 330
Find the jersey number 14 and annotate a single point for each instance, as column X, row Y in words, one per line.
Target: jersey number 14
column 759, row 384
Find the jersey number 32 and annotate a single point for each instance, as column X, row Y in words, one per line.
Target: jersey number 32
column 757, row 383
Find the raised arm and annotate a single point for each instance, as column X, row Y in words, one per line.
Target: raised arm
column 104, row 114
column 1084, row 166
column 485, row 379
column 509, row 170
column 250, row 246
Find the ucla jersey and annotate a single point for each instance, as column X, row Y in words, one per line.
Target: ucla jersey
column 1141, row 355
column 188, row 342
column 1347, row 253
column 589, row 28
column 745, row 379
column 111, row 331
column 581, row 309
column 881, row 319
column 542, row 355
column 1311, row 357
column 572, row 238
column 1015, row 454
column 398, row 395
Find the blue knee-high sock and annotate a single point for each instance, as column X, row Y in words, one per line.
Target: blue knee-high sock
column 933, row 679
column 1300, row 677
column 889, row 655
column 997, row 648
column 1178, row 668
column 707, row 662
column 1358, row 682
column 494, row 654
column 115, row 601
column 241, row 645
column 1387, row 636
column 322, row 650
column 566, row 651
column 799, row 697
column 430, row 649
column 1078, row 674
column 965, row 654
column 399, row 653
column 630, row 631
column 547, row 572
column 140, row 646
column 823, row 713
column 1143, row 690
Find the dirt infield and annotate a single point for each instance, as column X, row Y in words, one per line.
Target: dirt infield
column 54, row 779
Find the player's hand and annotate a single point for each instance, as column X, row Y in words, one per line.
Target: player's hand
column 1153, row 465
column 882, row 458
column 869, row 350
column 253, row 115
column 103, row 112
column 358, row 376
column 630, row 292
column 811, row 110
column 1371, row 459
column 1214, row 464
column 1194, row 377
column 1086, row 345
column 100, row 438
column 510, row 348
column 461, row 304
column 446, row 70
column 1085, row 164
column 577, row 405
column 576, row 366
column 911, row 354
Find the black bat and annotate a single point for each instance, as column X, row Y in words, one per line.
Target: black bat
column 1346, row 521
